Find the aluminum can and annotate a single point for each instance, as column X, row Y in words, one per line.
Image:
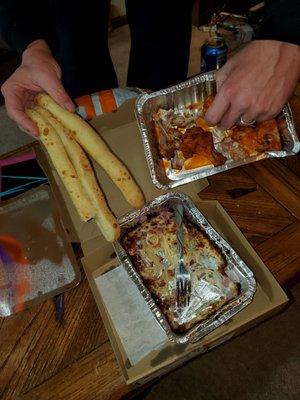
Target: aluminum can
column 213, row 54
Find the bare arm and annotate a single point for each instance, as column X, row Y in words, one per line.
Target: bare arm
column 38, row 72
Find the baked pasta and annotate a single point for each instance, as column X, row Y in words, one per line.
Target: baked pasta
column 152, row 248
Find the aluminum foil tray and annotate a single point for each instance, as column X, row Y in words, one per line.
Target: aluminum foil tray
column 178, row 97
column 236, row 269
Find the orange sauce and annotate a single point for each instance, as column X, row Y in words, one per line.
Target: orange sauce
column 197, row 161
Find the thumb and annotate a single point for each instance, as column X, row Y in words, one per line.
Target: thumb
column 56, row 90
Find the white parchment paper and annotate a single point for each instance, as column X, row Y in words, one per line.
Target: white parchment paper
column 136, row 326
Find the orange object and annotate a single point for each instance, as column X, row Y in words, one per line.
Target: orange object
column 195, row 105
column 14, row 248
column 86, row 103
column 196, row 142
column 197, row 161
column 157, row 131
column 22, row 285
column 166, row 163
column 202, row 124
column 97, row 103
column 268, row 136
column 107, row 100
column 208, row 102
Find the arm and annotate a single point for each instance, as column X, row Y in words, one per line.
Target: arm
column 256, row 82
column 38, row 72
column 25, row 29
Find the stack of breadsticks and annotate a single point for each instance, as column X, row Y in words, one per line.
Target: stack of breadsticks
column 67, row 138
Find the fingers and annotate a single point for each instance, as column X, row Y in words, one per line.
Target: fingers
column 225, row 110
column 218, row 108
column 222, row 74
column 17, row 99
column 254, row 84
column 15, row 110
column 263, row 110
column 221, row 103
column 230, row 118
column 55, row 89
column 25, row 124
column 27, row 131
column 250, row 116
column 259, row 117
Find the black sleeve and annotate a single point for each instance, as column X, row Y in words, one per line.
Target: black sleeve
column 21, row 22
column 282, row 21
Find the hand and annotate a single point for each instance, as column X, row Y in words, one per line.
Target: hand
column 38, row 72
column 255, row 83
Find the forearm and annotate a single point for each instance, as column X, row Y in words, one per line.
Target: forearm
column 21, row 23
column 282, row 21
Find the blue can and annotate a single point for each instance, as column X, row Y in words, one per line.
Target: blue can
column 213, row 54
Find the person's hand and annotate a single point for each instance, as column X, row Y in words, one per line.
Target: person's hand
column 38, row 72
column 255, row 83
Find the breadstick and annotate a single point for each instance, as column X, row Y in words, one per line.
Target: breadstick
column 104, row 217
column 63, row 166
column 94, row 145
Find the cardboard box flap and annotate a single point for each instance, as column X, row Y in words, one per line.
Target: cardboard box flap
column 122, row 116
column 170, row 353
column 121, row 133
column 226, row 227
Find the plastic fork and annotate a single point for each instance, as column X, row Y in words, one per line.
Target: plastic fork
column 183, row 277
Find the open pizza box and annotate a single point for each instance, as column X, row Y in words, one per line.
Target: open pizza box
column 121, row 133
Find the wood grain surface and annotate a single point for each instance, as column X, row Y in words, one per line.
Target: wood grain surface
column 40, row 359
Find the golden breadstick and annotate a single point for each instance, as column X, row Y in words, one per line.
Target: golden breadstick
column 94, row 145
column 104, row 217
column 63, row 166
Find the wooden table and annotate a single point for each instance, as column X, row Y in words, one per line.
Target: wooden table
column 39, row 359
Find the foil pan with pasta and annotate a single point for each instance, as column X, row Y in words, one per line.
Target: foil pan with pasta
column 222, row 284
